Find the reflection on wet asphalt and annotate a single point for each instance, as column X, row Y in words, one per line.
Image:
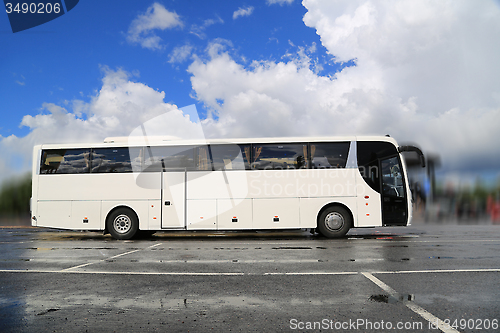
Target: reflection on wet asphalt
column 248, row 281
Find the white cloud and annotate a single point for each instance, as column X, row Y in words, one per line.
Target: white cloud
column 243, row 12
column 209, row 22
column 425, row 72
column 116, row 110
column 199, row 30
column 427, row 49
column 21, row 81
column 279, row 2
column 142, row 29
column 180, row 54
column 268, row 99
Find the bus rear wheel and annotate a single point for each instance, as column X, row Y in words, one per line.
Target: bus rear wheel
column 334, row 222
column 122, row 223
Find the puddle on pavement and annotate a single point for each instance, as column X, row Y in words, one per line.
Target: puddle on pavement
column 380, row 298
column 380, row 236
column 228, row 248
column 292, row 248
column 42, row 248
column 176, row 304
column 439, row 257
column 188, row 256
column 47, row 311
column 95, row 248
column 72, row 235
column 383, row 298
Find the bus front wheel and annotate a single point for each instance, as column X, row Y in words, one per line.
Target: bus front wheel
column 123, row 223
column 334, row 222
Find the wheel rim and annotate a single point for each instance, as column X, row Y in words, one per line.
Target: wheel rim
column 334, row 221
column 122, row 224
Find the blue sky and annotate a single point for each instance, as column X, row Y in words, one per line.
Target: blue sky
column 62, row 59
column 423, row 71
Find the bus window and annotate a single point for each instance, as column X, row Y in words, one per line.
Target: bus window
column 174, row 158
column 230, row 157
column 329, row 155
column 203, row 161
column 369, row 154
column 137, row 158
column 392, row 178
column 279, row 156
column 66, row 161
column 111, row 160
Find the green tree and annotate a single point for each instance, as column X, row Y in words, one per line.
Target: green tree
column 15, row 196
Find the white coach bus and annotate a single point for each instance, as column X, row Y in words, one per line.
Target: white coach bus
column 125, row 187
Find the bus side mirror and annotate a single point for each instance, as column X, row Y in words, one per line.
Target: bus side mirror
column 415, row 149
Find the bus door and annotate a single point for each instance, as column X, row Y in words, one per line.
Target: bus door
column 394, row 201
column 173, row 199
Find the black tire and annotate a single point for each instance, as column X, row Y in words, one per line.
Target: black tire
column 122, row 223
column 334, row 222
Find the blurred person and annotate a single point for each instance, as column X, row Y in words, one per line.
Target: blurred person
column 493, row 209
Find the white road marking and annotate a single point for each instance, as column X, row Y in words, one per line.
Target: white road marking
column 379, row 283
column 118, row 255
column 238, row 261
column 472, row 270
column 311, row 273
column 412, row 306
column 66, row 271
column 314, row 242
column 440, row 241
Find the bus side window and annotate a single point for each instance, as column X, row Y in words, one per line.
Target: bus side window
column 203, row 160
column 174, row 158
column 111, row 160
column 369, row 154
column 65, row 161
column 279, row 156
column 328, row 155
column 230, row 157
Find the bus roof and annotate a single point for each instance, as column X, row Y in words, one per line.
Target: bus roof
column 171, row 141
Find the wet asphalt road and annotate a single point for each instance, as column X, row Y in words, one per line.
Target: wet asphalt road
column 376, row 280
